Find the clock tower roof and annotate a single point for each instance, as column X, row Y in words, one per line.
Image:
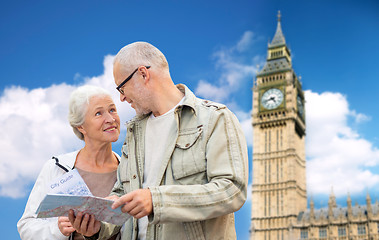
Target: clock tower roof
column 278, row 56
column 275, row 66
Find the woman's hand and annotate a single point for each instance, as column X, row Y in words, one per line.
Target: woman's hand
column 85, row 224
column 65, row 226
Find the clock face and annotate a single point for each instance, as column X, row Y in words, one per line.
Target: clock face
column 272, row 98
column 300, row 106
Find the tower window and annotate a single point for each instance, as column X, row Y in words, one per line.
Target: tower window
column 281, row 169
column 281, row 138
column 269, row 141
column 322, row 233
column 361, row 229
column 269, row 172
column 341, row 231
column 265, row 205
column 277, row 204
column 269, row 204
column 281, row 202
column 304, row 234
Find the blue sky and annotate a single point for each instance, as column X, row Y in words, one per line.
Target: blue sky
column 215, row 47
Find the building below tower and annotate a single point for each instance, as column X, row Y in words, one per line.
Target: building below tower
column 333, row 222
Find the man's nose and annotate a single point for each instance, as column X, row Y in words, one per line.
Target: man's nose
column 122, row 97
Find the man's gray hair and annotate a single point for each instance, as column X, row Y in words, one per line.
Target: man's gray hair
column 141, row 54
column 78, row 105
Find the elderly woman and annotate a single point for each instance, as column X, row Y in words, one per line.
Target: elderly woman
column 94, row 119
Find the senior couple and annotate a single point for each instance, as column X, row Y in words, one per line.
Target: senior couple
column 183, row 169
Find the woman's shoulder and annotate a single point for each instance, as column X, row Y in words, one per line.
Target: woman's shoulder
column 67, row 155
column 66, row 160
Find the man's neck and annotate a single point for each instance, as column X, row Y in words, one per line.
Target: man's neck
column 168, row 100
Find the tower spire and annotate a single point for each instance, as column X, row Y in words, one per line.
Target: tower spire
column 278, row 56
column 278, row 39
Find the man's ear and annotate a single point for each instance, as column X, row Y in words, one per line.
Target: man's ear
column 145, row 74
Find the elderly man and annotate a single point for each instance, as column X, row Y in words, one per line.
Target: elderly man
column 184, row 167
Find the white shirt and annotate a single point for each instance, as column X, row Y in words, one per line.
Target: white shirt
column 157, row 131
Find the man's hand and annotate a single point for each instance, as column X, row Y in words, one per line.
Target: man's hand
column 65, row 226
column 86, row 225
column 137, row 203
column 112, row 197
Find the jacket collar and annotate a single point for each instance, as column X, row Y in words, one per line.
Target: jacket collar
column 68, row 160
column 189, row 101
column 189, row 97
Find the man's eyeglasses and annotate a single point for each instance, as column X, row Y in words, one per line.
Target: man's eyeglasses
column 119, row 87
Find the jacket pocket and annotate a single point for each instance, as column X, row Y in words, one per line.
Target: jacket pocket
column 194, row 230
column 188, row 159
column 124, row 171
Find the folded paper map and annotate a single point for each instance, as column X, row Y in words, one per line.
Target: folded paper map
column 55, row 205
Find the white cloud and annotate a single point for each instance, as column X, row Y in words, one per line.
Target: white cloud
column 35, row 127
column 337, row 155
column 234, row 75
column 210, row 91
column 245, row 41
column 246, row 124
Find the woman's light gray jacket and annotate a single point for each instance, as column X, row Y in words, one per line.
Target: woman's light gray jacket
column 202, row 180
column 32, row 228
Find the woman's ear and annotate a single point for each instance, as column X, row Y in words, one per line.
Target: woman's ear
column 81, row 129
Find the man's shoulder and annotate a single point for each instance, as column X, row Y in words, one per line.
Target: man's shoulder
column 212, row 105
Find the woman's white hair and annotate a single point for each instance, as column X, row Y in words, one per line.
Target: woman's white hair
column 141, row 54
column 78, row 105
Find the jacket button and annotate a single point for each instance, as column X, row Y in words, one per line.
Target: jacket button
column 130, row 129
column 134, row 176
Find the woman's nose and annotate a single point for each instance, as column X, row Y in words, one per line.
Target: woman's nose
column 109, row 117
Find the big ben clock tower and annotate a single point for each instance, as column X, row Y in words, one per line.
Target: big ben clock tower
column 279, row 180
